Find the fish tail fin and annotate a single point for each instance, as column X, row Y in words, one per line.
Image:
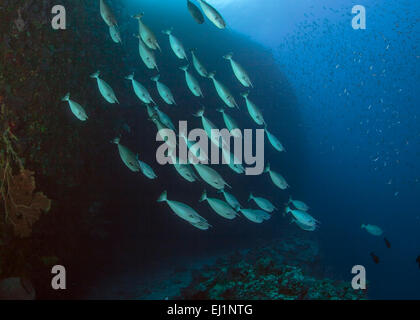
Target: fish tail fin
column 130, row 76
column 192, row 50
column 221, row 109
column 203, row 196
column 95, row 75
column 230, row 187
column 138, row 16
column 163, row 197
column 363, row 226
column 212, row 74
column 167, row 31
column 116, row 140
column 267, row 167
column 228, row 56
column 155, row 78
column 184, row 68
column 136, row 36
column 245, row 94
column 66, row 97
column 199, row 113
column 250, row 197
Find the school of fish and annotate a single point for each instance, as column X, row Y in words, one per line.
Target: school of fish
column 226, row 206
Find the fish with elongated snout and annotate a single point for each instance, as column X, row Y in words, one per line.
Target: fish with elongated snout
column 184, row 170
column 115, row 34
column 146, row 169
column 162, row 128
column 192, row 82
column 277, row 178
column 141, row 92
column 176, row 45
column 274, row 141
column 211, row 176
column 127, row 156
column 222, row 208
column 195, row 12
column 253, row 110
column 107, row 14
column 231, row 199
column 223, row 92
column 255, row 215
column 208, row 126
column 105, row 89
column 232, row 161
column 182, row 210
column 199, row 67
column 195, row 149
column 263, row 203
column 212, row 14
column 230, row 123
column 164, row 118
column 239, row 71
column 300, row 205
column 164, row 91
column 76, row 108
column 147, row 55
column 303, row 219
column 146, row 34
column 202, row 225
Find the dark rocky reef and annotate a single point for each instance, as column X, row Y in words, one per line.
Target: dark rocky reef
column 282, row 270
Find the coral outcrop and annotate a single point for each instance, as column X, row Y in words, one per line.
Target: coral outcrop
column 266, row 273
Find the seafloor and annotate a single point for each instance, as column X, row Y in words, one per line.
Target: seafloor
column 283, row 269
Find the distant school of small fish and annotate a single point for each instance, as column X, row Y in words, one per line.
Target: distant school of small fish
column 229, row 208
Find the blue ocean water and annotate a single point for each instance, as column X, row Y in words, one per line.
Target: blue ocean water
column 344, row 104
